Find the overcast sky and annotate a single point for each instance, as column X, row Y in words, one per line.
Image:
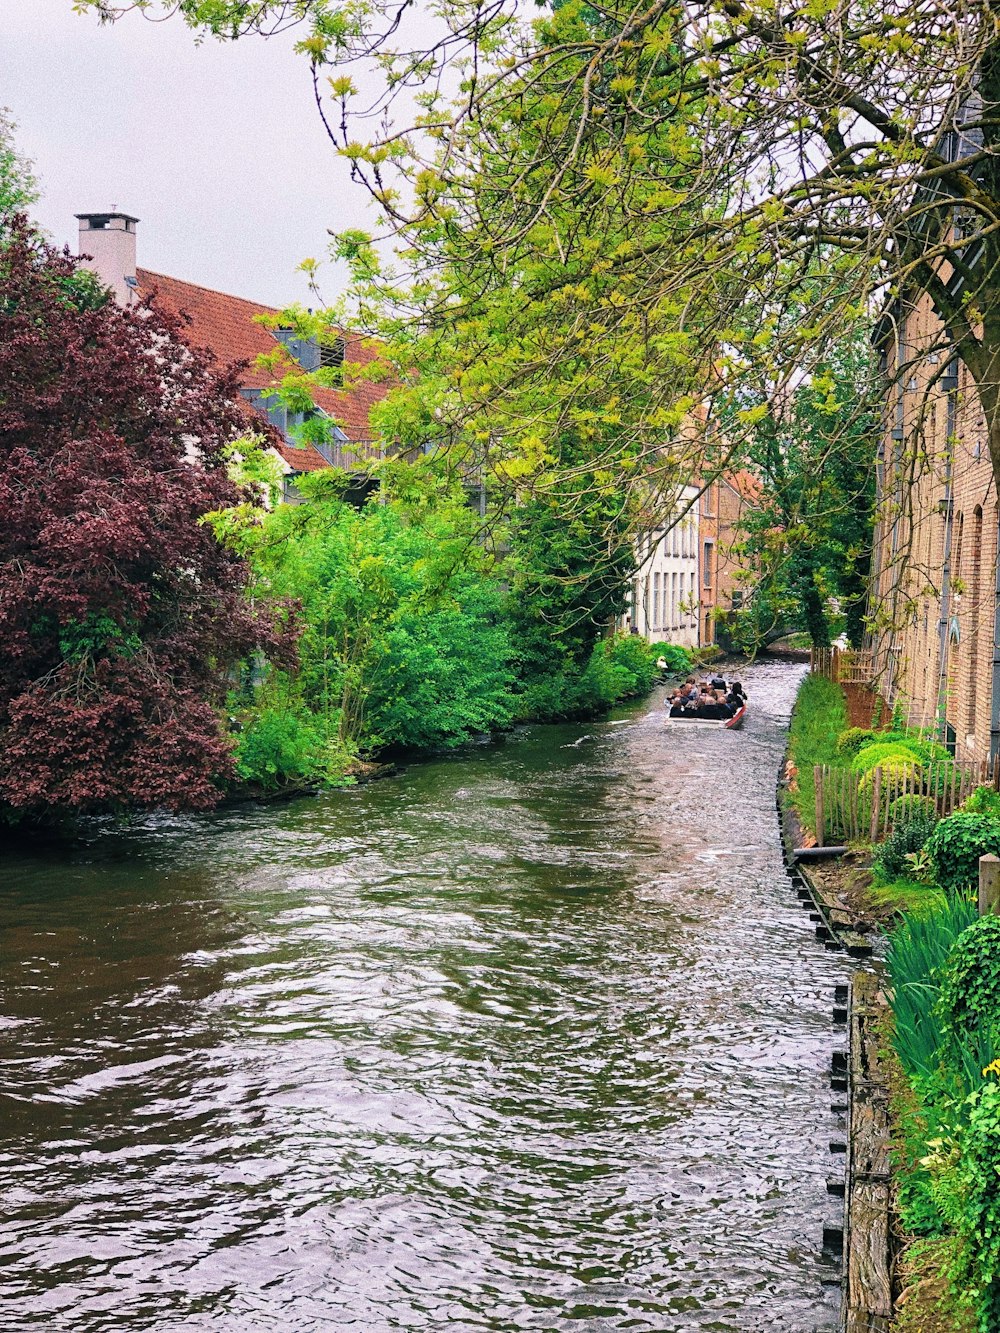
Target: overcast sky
column 217, row 149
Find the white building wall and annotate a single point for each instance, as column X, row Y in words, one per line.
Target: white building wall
column 664, row 603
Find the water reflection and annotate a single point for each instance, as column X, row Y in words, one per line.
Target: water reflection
column 530, row 1039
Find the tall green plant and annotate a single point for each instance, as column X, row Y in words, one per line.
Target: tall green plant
column 918, row 951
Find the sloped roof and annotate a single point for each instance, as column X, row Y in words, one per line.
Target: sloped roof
column 224, row 325
column 746, row 485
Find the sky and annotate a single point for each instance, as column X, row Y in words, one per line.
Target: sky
column 217, row 148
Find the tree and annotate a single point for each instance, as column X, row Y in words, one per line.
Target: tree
column 18, row 187
column 869, row 129
column 404, row 644
column 120, row 614
column 807, row 536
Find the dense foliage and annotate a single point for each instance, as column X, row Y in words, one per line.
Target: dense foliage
column 404, row 643
column 120, row 614
column 917, row 954
column 417, row 635
column 956, row 845
column 806, row 542
column 907, row 836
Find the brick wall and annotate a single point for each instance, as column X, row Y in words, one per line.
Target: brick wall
column 934, row 612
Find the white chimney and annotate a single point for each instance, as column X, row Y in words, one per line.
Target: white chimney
column 109, row 238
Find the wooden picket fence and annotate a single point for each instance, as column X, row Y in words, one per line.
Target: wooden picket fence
column 851, row 807
column 844, row 666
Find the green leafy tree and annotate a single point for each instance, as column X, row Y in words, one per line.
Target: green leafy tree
column 807, row 538
column 869, row 129
column 404, row 641
column 18, row 187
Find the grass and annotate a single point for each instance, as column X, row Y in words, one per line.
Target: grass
column 908, row 895
column 820, row 716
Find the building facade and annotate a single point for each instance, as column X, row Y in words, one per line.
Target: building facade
column 664, row 597
column 721, row 507
column 934, row 586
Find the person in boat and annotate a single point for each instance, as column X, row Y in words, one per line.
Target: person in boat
column 736, row 697
column 683, row 695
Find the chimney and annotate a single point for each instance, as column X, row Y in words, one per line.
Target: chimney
column 110, row 239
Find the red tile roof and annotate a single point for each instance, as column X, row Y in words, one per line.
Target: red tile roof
column 225, row 326
column 746, row 485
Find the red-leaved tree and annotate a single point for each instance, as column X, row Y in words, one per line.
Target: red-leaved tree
column 121, row 616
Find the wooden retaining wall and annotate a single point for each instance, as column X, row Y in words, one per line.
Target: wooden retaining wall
column 867, row 1304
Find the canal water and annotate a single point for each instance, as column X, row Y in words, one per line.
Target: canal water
column 535, row 1037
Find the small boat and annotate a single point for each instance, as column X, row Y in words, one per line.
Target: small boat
column 730, row 723
column 693, row 720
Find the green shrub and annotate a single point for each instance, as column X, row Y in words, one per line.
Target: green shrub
column 911, row 806
column 970, row 995
column 634, row 661
column 983, row 801
column 928, row 752
column 678, row 658
column 890, row 861
column 896, row 770
column 618, row 668
column 956, row 845
column 278, row 746
column 875, row 756
column 978, row 1225
column 852, row 740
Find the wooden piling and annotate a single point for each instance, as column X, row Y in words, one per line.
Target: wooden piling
column 867, row 1284
column 818, row 786
column 876, row 801
column 989, row 886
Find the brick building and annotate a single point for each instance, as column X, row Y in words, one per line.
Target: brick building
column 934, row 575
column 226, row 326
column 722, row 506
column 689, row 575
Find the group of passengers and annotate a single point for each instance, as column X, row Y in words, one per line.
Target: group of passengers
column 709, row 699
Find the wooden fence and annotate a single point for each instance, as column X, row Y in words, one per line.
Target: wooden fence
column 844, row 666
column 853, row 806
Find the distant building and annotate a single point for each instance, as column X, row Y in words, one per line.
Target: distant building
column 664, row 597
column 225, row 326
column 721, row 511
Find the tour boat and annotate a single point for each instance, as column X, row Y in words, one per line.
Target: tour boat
column 730, row 723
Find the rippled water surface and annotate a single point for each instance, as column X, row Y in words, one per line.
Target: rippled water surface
column 531, row 1038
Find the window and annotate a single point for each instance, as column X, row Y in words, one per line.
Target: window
column 673, row 601
column 707, row 565
column 656, row 602
column 331, row 354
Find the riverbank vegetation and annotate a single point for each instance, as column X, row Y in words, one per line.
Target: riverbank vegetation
column 942, row 1042
column 121, row 616
column 417, row 635
column 152, row 657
